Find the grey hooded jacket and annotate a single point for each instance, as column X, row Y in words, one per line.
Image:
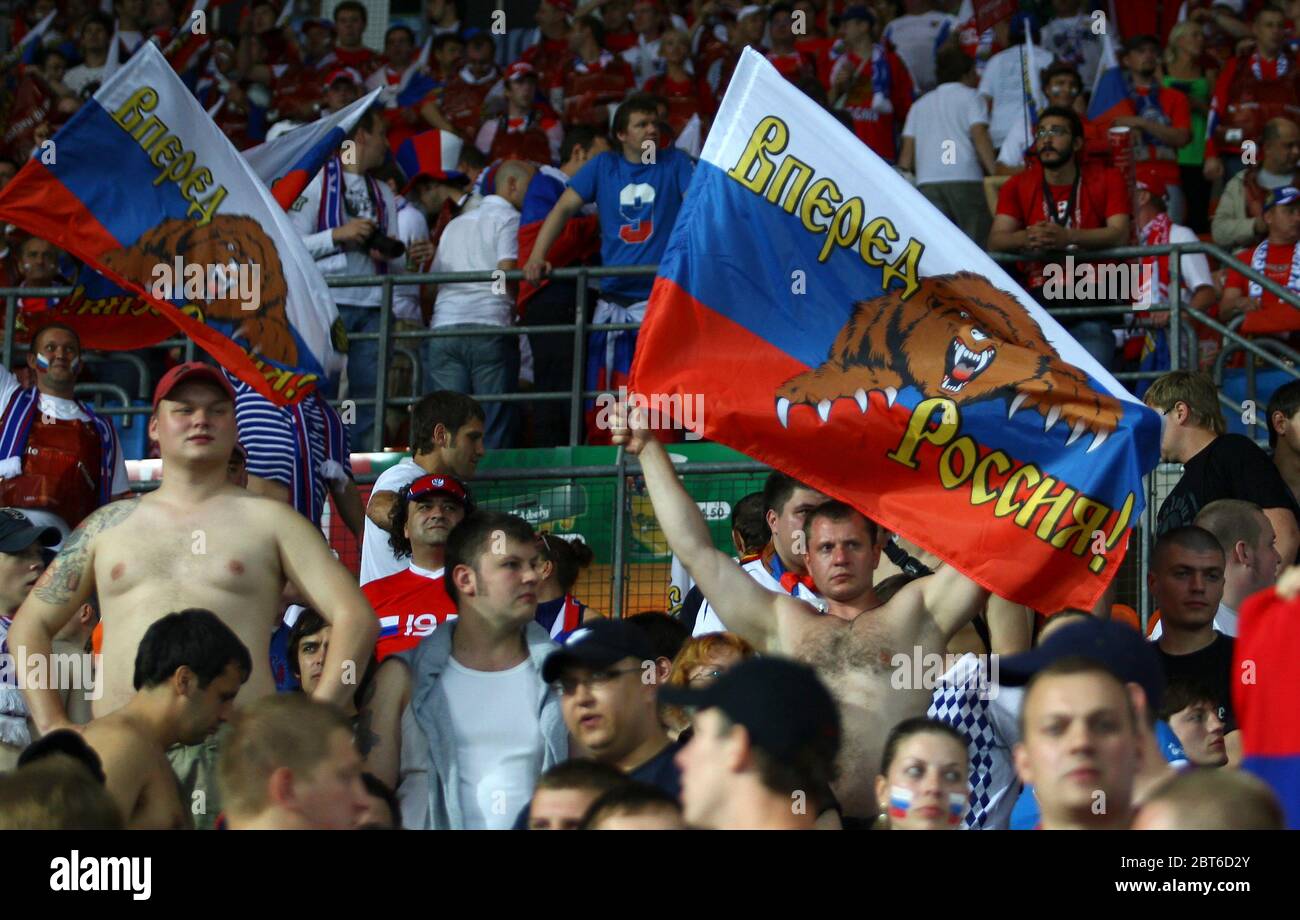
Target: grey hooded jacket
column 429, row 776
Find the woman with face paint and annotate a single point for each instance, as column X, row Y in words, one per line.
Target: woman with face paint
column 922, row 781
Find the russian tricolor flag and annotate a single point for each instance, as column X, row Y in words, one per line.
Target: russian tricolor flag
column 1109, row 89
column 139, row 177
column 838, row 327
column 388, row 626
column 1266, row 695
column 287, row 164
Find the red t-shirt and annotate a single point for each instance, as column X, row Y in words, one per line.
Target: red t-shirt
column 1149, row 166
column 1102, row 195
column 410, row 604
column 363, row 59
column 548, row 58
column 1274, row 315
column 878, row 130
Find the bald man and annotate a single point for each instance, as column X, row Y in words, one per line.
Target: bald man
column 484, row 239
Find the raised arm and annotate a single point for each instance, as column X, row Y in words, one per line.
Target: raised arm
column 347, row 500
column 745, row 607
column 380, row 509
column 949, row 599
column 570, row 203
column 332, row 591
column 54, row 600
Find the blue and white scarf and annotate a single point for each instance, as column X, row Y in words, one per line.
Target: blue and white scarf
column 332, row 193
column 307, row 498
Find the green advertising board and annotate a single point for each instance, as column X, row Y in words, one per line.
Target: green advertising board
column 585, row 505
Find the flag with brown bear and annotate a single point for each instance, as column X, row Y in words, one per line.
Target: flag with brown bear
column 833, row 323
column 142, row 186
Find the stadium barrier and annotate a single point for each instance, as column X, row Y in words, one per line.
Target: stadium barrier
column 603, row 490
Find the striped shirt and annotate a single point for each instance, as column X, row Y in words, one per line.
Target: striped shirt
column 270, row 435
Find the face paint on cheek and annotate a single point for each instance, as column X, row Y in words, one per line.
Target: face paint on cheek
column 42, row 362
column 900, row 802
column 956, row 807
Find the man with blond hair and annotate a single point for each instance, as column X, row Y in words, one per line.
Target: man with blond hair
column 1215, row 464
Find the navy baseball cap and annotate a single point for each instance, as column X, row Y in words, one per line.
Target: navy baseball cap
column 1288, row 194
column 782, row 703
column 1117, row 647
column 17, row 532
column 598, row 644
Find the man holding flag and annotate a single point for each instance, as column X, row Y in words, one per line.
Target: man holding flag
column 834, row 326
column 405, row 86
column 1163, row 117
column 847, row 645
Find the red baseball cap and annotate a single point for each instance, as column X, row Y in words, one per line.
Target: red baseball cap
column 344, row 73
column 1155, row 186
column 518, row 70
column 437, row 485
column 193, row 370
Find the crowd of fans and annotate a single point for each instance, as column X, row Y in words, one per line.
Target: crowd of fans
column 460, row 683
column 463, row 685
column 546, row 122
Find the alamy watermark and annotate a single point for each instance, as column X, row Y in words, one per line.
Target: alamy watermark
column 1100, row 281
column 55, row 671
column 659, row 411
column 195, row 281
column 922, row 670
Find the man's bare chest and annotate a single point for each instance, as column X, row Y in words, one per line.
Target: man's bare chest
column 151, row 550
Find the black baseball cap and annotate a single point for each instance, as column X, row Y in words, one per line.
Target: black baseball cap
column 781, row 703
column 17, row 532
column 598, row 644
column 1115, row 646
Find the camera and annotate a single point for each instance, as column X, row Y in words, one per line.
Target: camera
column 385, row 245
column 380, row 242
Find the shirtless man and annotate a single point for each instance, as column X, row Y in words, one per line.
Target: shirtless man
column 188, row 670
column 197, row 541
column 853, row 654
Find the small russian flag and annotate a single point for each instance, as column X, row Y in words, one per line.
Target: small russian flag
column 388, row 626
column 900, row 801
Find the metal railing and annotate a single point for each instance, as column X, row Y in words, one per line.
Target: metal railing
column 1270, row 352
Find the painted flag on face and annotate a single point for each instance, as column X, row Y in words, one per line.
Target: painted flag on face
column 1264, row 695
column 145, row 188
column 839, row 328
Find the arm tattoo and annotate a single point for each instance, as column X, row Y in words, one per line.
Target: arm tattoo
column 61, row 578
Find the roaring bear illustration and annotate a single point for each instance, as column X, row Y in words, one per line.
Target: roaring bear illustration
column 228, row 239
column 957, row 337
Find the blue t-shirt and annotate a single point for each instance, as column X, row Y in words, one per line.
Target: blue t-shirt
column 638, row 204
